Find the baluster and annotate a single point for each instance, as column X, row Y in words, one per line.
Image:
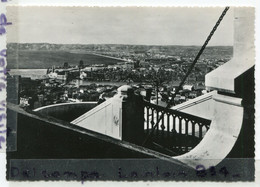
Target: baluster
column 168, row 124
column 180, row 125
column 147, row 118
column 173, row 129
column 157, row 127
column 152, row 120
column 157, row 119
column 162, row 125
column 186, row 133
column 200, row 131
column 186, row 127
column 193, row 128
column 173, row 124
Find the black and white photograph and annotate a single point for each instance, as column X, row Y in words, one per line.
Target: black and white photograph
column 130, row 93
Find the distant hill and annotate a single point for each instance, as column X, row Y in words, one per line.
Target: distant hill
column 44, row 55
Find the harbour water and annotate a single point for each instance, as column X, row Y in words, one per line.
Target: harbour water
column 32, row 73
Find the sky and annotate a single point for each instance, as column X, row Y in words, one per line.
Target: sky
column 128, row 25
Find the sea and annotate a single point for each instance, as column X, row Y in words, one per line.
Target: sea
column 32, row 73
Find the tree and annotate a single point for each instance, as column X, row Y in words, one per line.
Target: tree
column 65, row 65
column 81, row 64
column 137, row 64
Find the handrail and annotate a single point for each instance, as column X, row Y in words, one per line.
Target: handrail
column 195, row 101
column 177, row 113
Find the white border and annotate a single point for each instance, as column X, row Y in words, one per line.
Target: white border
column 135, row 2
column 162, row 3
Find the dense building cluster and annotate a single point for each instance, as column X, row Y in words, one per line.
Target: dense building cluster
column 159, row 72
column 37, row 93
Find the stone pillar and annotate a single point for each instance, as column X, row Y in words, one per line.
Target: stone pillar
column 132, row 115
column 223, row 78
column 244, row 30
column 148, row 94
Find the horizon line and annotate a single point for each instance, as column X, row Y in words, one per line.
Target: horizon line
column 118, row 44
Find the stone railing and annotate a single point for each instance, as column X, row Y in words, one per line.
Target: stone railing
column 176, row 130
column 129, row 117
